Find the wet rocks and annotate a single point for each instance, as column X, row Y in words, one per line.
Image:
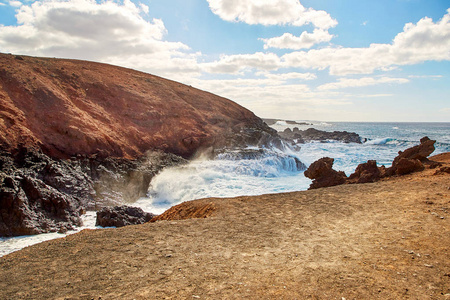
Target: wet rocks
column 39, row 194
column 323, row 174
column 32, row 201
column 120, row 216
column 312, row 134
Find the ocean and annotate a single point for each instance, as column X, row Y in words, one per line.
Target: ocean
column 276, row 171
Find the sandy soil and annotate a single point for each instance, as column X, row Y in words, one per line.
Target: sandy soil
column 386, row 240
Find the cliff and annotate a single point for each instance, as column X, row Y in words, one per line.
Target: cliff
column 72, row 107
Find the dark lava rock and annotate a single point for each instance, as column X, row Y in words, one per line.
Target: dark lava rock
column 120, row 216
column 29, row 204
column 323, row 175
column 312, row 134
column 39, row 194
column 365, row 172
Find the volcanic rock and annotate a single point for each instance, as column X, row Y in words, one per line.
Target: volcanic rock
column 406, row 166
column 120, row 216
column 412, row 159
column 323, row 175
column 365, row 172
column 420, row 152
column 312, row 134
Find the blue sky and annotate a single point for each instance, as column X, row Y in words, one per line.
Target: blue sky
column 386, row 60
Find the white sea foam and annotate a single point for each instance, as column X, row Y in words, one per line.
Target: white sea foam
column 382, row 141
column 230, row 174
column 9, row 245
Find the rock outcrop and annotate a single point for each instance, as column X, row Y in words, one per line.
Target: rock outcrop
column 39, row 194
column 366, row 172
column 323, row 174
column 31, row 203
column 408, row 161
column 312, row 134
column 120, row 216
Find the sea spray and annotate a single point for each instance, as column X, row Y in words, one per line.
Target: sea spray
column 231, row 173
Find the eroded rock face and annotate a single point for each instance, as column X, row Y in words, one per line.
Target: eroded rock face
column 323, row 174
column 29, row 206
column 412, row 159
column 120, row 216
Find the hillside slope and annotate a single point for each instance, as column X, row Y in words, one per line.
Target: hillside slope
column 71, row 107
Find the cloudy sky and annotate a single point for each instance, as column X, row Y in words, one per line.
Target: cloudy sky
column 350, row 60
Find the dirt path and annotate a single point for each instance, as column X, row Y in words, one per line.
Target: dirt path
column 387, row 240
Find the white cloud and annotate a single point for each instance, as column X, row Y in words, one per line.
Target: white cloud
column 424, row 41
column 305, row 41
column 270, row 12
column 291, row 75
column 234, row 64
column 15, row 3
column 426, row 76
column 109, row 31
column 360, row 82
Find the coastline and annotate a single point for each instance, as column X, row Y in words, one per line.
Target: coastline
column 377, row 240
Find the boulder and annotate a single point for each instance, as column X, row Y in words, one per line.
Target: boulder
column 323, row 175
column 405, row 166
column 365, row 172
column 412, row 159
column 120, row 216
column 420, row 152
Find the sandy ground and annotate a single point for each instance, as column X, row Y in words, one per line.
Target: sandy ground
column 386, row 240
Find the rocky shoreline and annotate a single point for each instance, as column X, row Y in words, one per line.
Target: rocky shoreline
column 41, row 194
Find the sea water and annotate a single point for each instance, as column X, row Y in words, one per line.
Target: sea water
column 228, row 177
column 274, row 172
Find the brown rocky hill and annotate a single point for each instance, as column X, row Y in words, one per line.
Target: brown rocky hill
column 72, row 107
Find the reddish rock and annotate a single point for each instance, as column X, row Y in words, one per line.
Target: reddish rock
column 420, row 152
column 72, row 107
column 412, row 159
column 323, row 175
column 365, row 172
column 406, row 166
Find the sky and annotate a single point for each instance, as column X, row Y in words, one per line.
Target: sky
column 327, row 60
